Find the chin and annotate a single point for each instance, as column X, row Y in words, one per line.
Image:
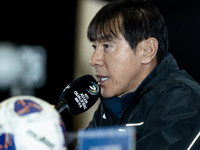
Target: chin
column 106, row 94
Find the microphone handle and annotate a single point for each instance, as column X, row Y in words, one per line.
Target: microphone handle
column 62, row 106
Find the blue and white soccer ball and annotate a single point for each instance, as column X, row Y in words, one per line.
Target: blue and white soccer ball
column 30, row 123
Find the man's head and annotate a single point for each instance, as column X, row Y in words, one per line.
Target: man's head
column 135, row 20
column 129, row 39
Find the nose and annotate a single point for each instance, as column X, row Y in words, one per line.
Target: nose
column 97, row 58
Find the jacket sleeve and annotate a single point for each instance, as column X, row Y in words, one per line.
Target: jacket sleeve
column 173, row 122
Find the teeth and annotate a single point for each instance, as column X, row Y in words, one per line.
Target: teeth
column 104, row 79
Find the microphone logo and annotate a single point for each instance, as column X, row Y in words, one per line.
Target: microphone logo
column 93, row 89
column 67, row 87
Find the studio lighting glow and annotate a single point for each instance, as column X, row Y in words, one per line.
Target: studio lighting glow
column 22, row 68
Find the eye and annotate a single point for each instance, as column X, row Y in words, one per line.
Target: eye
column 94, row 47
column 106, row 46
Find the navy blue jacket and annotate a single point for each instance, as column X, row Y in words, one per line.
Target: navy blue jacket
column 166, row 111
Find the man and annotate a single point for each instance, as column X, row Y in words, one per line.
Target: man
column 140, row 81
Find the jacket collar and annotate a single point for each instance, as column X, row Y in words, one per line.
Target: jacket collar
column 166, row 67
column 127, row 99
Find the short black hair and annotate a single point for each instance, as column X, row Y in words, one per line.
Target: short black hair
column 135, row 20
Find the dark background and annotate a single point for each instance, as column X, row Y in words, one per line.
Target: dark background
column 52, row 25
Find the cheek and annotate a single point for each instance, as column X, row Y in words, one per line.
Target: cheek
column 124, row 72
column 120, row 68
column 115, row 66
column 122, row 65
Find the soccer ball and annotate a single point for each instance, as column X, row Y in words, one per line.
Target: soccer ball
column 30, row 123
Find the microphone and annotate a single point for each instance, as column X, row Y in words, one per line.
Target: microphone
column 78, row 96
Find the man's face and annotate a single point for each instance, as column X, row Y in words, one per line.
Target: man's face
column 119, row 70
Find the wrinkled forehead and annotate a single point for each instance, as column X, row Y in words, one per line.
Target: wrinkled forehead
column 105, row 30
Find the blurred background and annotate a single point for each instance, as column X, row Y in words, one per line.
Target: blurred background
column 43, row 46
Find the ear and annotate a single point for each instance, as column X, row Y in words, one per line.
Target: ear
column 150, row 50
